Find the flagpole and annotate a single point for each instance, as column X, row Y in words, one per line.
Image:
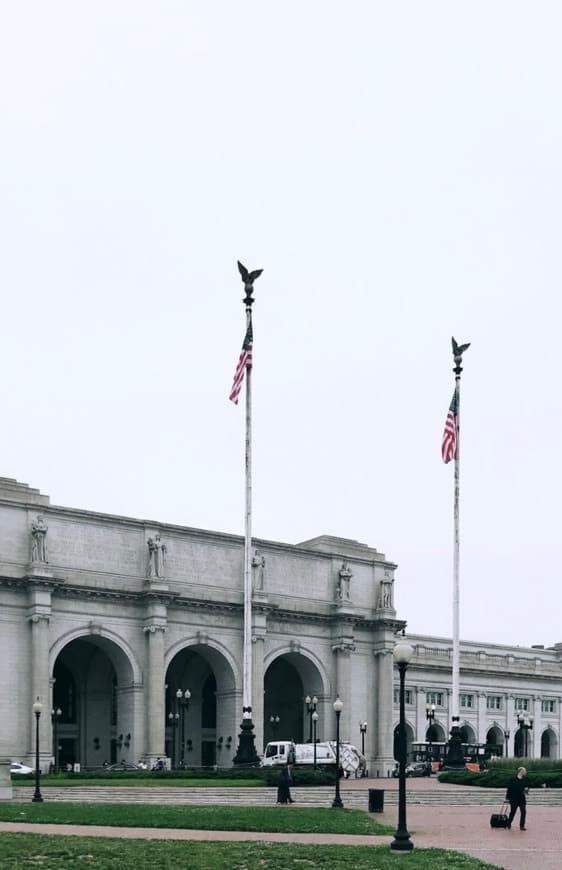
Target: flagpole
column 246, row 753
column 455, row 756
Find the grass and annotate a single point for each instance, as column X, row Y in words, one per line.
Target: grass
column 24, row 851
column 301, row 820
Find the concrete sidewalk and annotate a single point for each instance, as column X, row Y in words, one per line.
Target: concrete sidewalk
column 464, row 829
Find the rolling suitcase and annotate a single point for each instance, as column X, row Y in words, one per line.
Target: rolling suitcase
column 499, row 820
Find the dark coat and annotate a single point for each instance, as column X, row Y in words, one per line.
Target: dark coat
column 516, row 789
column 284, row 787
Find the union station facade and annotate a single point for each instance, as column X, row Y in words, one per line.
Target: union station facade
column 130, row 632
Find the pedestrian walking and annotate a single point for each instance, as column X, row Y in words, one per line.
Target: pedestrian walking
column 284, row 787
column 517, row 789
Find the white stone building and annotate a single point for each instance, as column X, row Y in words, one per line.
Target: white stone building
column 107, row 618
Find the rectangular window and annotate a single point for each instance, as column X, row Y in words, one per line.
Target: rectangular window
column 408, row 696
column 467, row 700
column 494, row 702
column 549, row 706
column 434, row 698
column 521, row 703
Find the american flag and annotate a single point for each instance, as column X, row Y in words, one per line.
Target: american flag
column 245, row 362
column 450, row 434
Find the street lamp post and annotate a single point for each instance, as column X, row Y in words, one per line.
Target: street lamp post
column 55, row 716
column 37, row 709
column 274, row 723
column 430, row 716
column 310, row 708
column 506, row 734
column 183, row 701
column 525, row 725
column 173, row 721
column 314, row 724
column 338, row 707
column 363, row 730
column 402, row 654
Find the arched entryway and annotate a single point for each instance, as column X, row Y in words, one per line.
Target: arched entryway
column 494, row 741
column 200, row 708
column 549, row 744
column 93, row 689
column 288, row 680
column 467, row 733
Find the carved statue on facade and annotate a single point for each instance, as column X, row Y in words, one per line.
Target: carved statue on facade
column 385, row 594
column 344, row 585
column 258, row 564
column 39, row 531
column 156, row 556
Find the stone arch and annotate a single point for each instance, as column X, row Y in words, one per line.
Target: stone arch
column 118, row 650
column 290, row 650
column 436, row 733
column 468, row 735
column 290, row 675
column 549, row 743
column 96, row 682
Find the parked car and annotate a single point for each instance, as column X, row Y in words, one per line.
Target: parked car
column 419, row 768
column 124, row 765
column 16, row 767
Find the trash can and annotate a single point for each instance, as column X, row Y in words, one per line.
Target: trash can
column 376, row 800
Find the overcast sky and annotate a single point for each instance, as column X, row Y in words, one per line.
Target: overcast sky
column 395, row 169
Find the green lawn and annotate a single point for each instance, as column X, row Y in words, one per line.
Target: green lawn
column 25, row 851
column 290, row 819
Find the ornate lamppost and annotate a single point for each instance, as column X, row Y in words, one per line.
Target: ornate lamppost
column 314, row 725
column 310, row 708
column 183, row 702
column 506, row 734
column 430, row 716
column 173, row 721
column 37, row 709
column 363, row 730
column 55, row 716
column 525, row 725
column 403, row 652
column 338, row 707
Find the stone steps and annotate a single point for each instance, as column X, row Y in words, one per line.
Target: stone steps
column 320, row 796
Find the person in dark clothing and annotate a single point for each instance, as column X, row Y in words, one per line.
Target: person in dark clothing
column 516, row 791
column 284, row 787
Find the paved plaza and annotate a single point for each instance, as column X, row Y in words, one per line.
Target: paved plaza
column 444, row 816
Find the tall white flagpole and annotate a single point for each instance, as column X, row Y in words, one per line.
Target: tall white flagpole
column 455, row 756
column 246, row 753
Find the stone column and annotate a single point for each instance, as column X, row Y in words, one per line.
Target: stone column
column 536, row 733
column 257, row 690
column 383, row 718
column 155, row 697
column 421, row 721
column 481, row 718
column 511, row 723
column 39, row 683
column 343, row 650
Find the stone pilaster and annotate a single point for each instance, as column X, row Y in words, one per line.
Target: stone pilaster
column 155, row 696
column 421, row 721
column 342, row 651
column 257, row 690
column 536, row 733
column 481, row 714
column 383, row 713
column 39, row 616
